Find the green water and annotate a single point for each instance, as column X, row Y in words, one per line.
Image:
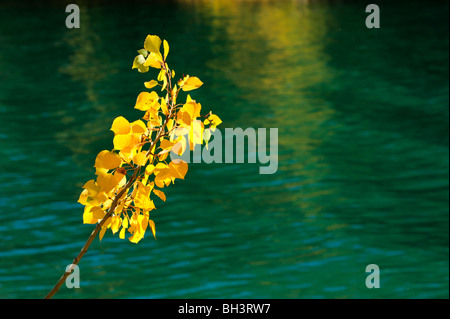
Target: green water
column 363, row 174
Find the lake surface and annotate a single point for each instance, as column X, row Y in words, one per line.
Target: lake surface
column 363, row 173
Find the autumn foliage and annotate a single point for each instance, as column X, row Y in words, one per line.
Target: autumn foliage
column 138, row 168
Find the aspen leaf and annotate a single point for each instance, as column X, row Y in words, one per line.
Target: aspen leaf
column 122, row 141
column 138, row 127
column 102, row 233
column 120, row 125
column 137, row 236
column 151, row 223
column 143, row 223
column 152, row 43
column 140, row 159
column 88, row 218
column 166, row 144
column 149, row 169
column 106, row 182
column 110, row 160
column 83, row 197
column 153, row 60
column 178, row 168
column 214, row 120
column 180, row 146
column 150, row 84
column 138, row 63
column 146, row 100
column 193, row 109
column 160, row 194
column 99, row 158
column 166, row 49
column 125, row 222
column 97, row 212
column 115, row 224
column 143, row 52
column 122, row 233
column 92, row 187
column 191, row 83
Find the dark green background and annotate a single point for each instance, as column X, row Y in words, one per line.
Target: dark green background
column 363, row 171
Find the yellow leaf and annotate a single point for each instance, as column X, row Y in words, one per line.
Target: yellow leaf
column 140, row 159
column 138, row 63
column 107, row 204
column 122, row 233
column 106, row 182
column 138, row 127
column 146, row 100
column 125, row 222
column 191, row 83
column 120, row 126
column 122, row 141
column 166, row 49
column 102, row 232
column 196, row 134
column 97, row 212
column 149, row 169
column 99, row 158
column 166, row 144
column 153, row 60
column 178, row 168
column 152, row 43
column 136, row 237
column 110, row 160
column 152, row 227
column 193, row 109
column 143, row 223
column 160, row 194
column 214, row 120
column 115, row 224
column 150, row 84
column 120, row 178
column 88, row 218
column 83, row 197
column 92, row 187
column 180, row 146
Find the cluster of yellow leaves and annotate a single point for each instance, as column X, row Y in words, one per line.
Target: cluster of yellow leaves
column 120, row 198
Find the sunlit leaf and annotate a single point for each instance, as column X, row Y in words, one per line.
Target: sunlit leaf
column 152, row 43
column 146, row 100
column 160, row 194
column 102, row 232
column 122, row 233
column 150, row 84
column 122, row 141
column 178, row 168
column 166, row 49
column 138, row 127
column 106, row 182
column 143, row 52
column 110, row 160
column 140, row 159
column 153, row 60
column 152, row 227
column 192, row 83
column 138, row 63
column 120, row 125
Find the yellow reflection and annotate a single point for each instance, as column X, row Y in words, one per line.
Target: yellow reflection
column 88, row 66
